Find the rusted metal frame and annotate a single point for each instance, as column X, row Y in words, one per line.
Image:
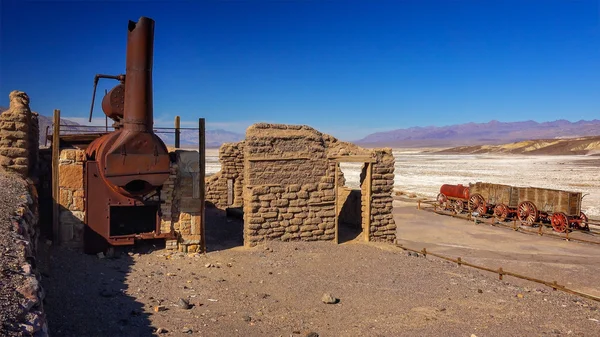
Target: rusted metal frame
column 501, row 272
column 177, row 131
column 515, row 228
column 202, row 174
column 55, row 177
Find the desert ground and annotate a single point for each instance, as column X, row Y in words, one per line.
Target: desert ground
column 276, row 289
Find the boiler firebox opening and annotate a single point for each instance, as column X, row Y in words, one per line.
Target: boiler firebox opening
column 138, row 187
column 127, row 220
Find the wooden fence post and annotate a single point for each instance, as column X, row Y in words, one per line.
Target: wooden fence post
column 55, row 177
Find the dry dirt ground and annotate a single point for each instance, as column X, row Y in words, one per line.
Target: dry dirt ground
column 570, row 263
column 275, row 289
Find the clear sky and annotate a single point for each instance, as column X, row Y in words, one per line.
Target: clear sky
column 348, row 68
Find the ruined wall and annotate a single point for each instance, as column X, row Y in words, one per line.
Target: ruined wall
column 225, row 188
column 19, row 136
column 31, row 315
column 289, row 192
column 182, row 198
column 383, row 226
column 71, row 200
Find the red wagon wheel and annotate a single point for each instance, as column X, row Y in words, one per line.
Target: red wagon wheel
column 459, row 206
column 477, row 204
column 442, row 201
column 527, row 213
column 583, row 222
column 560, row 222
column 501, row 212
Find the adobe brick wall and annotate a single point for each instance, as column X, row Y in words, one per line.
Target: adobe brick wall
column 231, row 157
column 383, row 227
column 19, row 132
column 289, row 190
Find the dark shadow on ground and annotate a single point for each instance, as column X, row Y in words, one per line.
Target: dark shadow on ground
column 348, row 232
column 222, row 231
column 87, row 296
column 349, row 218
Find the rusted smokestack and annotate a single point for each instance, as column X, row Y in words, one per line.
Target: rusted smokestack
column 138, row 114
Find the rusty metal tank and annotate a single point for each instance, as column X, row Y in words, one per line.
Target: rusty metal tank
column 125, row 169
column 133, row 160
column 455, row 191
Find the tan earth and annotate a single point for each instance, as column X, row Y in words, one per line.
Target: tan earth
column 276, row 289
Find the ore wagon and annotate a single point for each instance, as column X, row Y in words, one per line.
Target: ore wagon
column 561, row 208
column 501, row 200
column 531, row 205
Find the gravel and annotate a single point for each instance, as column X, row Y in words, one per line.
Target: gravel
column 11, row 190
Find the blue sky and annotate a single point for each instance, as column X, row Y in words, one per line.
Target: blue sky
column 348, row 68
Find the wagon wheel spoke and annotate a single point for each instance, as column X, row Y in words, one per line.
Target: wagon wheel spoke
column 560, row 223
column 459, row 206
column 442, row 200
column 501, row 212
column 583, row 221
column 532, row 217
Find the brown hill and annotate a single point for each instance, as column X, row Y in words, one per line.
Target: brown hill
column 563, row 146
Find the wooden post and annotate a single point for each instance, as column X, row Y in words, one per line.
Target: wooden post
column 177, row 131
column 369, row 181
column 55, row 177
column 202, row 173
column 335, row 192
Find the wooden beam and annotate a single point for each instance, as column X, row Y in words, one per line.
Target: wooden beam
column 177, row 131
column 369, row 181
column 55, row 177
column 202, row 173
column 277, row 158
column 354, row 159
column 335, row 191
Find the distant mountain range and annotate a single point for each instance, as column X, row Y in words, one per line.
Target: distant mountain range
column 468, row 134
column 471, row 134
column 189, row 138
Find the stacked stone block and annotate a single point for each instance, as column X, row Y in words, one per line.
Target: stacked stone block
column 72, row 205
column 383, row 226
column 34, row 143
column 185, row 207
column 231, row 157
column 290, row 212
column 15, row 135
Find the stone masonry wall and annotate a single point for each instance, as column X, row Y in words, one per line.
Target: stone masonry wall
column 32, row 316
column 289, row 185
column 231, row 157
column 289, row 174
column 182, row 196
column 383, row 226
column 72, row 206
column 18, row 150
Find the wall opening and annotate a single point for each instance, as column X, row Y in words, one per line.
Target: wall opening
column 127, row 220
column 350, row 201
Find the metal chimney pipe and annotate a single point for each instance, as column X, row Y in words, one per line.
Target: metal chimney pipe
column 138, row 114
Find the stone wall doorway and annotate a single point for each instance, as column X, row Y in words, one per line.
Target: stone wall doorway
column 352, row 203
